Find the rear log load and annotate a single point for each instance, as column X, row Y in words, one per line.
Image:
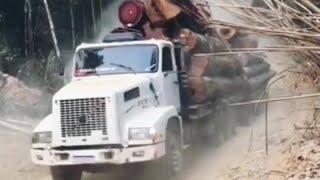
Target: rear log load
column 210, row 79
column 232, row 77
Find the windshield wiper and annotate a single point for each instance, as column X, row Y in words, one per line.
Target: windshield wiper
column 124, row 67
column 150, row 67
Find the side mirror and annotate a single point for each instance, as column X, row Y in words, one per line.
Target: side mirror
column 61, row 68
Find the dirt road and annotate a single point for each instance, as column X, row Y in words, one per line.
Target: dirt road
column 242, row 157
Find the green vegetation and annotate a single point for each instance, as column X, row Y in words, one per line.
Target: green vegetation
column 26, row 39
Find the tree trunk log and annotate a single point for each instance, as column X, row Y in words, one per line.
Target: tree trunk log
column 250, row 60
column 199, row 89
column 153, row 33
column 29, row 46
column 101, row 15
column 72, row 25
column 160, row 11
column 195, row 43
column 94, row 24
column 243, row 41
column 206, row 88
column 252, row 71
column 223, row 87
column 26, row 42
column 226, row 66
column 261, row 80
column 53, row 33
column 84, row 21
column 30, row 31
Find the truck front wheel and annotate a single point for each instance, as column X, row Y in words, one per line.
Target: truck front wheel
column 169, row 166
column 66, row 173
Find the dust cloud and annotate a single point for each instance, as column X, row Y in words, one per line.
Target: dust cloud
column 109, row 20
column 105, row 23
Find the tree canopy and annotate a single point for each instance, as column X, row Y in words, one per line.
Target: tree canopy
column 25, row 31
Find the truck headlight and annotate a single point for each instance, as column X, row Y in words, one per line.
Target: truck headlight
column 141, row 133
column 42, row 137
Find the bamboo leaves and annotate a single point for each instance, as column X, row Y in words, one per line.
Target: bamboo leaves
column 296, row 22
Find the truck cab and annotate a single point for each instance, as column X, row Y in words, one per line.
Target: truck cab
column 123, row 105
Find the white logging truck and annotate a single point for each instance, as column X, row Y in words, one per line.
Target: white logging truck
column 142, row 96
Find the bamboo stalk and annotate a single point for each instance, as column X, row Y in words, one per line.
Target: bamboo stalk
column 311, row 6
column 236, row 51
column 266, row 30
column 93, row 17
column 29, row 49
column 84, row 20
column 54, row 37
column 277, row 99
column 30, row 31
column 296, row 22
column 72, row 24
column 26, row 42
column 101, row 15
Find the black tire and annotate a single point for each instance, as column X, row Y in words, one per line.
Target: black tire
column 214, row 137
column 245, row 115
column 218, row 138
column 230, row 123
column 225, row 123
column 66, row 173
column 170, row 166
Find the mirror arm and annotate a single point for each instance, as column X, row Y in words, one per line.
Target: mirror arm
column 61, row 67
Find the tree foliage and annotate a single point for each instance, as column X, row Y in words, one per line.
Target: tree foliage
column 13, row 25
column 15, row 41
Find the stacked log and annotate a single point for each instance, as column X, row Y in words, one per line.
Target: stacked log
column 216, row 86
column 212, row 77
column 251, row 72
column 250, row 60
column 159, row 11
column 237, row 39
column 215, row 66
column 258, row 71
column 211, row 88
column 209, row 77
column 227, row 76
column 241, row 40
column 198, row 43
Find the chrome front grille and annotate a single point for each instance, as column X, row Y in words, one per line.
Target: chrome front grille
column 81, row 117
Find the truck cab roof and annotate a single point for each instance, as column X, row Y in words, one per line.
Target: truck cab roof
column 157, row 42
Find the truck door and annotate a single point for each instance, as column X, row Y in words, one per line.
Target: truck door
column 170, row 78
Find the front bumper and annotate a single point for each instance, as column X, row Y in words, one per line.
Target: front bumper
column 51, row 157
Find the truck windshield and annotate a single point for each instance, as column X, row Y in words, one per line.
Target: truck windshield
column 117, row 60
